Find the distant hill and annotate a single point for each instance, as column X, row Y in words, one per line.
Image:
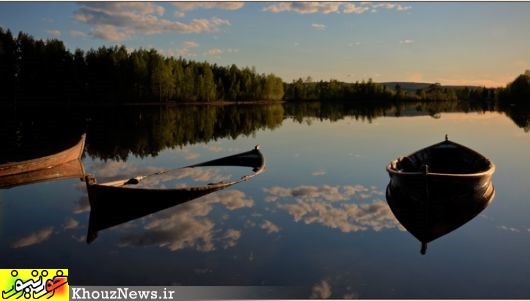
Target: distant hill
column 412, row 86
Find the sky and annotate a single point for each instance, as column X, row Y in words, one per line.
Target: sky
column 453, row 43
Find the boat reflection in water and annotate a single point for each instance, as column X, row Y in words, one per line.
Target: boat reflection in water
column 117, row 202
column 62, row 164
column 437, row 189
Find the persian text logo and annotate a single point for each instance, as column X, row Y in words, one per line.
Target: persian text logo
column 35, row 284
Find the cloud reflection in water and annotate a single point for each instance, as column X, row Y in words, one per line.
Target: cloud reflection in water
column 333, row 206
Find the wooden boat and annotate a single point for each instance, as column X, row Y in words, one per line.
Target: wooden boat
column 116, row 202
column 70, row 169
column 73, row 153
column 439, row 188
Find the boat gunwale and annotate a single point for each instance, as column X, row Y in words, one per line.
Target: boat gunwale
column 80, row 144
column 116, row 184
column 487, row 172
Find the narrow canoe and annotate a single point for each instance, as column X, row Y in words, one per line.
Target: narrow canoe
column 117, row 202
column 68, row 170
column 73, row 153
column 439, row 188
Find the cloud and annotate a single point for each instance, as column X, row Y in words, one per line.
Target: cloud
column 214, row 148
column 184, row 51
column 190, row 44
column 77, row 34
column 230, row 238
column 331, row 206
column 318, row 173
column 510, row 229
column 213, row 52
column 407, row 41
column 354, row 44
column 33, row 238
column 308, row 192
column 117, row 21
column 352, row 8
column 189, row 6
column 192, row 155
column 71, row 224
column 332, row 7
column 187, row 226
column 305, row 7
column 55, row 33
column 216, row 52
column 318, row 26
column 270, row 227
column 321, row 290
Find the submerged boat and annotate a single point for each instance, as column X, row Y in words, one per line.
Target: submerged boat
column 72, row 153
column 117, row 202
column 439, row 188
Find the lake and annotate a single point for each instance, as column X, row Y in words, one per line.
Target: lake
column 317, row 218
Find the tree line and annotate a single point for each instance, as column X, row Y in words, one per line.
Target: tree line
column 37, row 71
column 34, row 70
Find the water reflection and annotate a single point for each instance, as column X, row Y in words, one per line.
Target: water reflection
column 348, row 208
column 188, row 225
column 147, row 131
column 117, row 202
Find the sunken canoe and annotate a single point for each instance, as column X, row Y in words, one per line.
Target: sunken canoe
column 73, row 153
column 117, row 202
column 443, row 170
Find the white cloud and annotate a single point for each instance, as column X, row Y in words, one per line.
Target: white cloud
column 213, row 52
column 318, row 26
column 332, row 207
column 321, row 290
column 308, row 192
column 510, row 229
column 117, row 21
column 352, row 8
column 270, row 227
column 230, row 238
column 188, row 225
column 354, row 44
column 318, row 173
column 190, row 44
column 77, row 34
column 34, row 238
column 55, row 33
column 71, row 224
column 184, row 7
column 216, row 52
column 407, row 41
column 332, row 7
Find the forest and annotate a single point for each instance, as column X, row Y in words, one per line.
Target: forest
column 38, row 72
column 44, row 71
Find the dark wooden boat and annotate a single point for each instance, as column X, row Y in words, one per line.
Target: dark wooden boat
column 439, row 188
column 117, row 202
column 73, row 153
column 68, row 170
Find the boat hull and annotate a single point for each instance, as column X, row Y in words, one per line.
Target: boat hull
column 438, row 189
column 67, row 155
column 117, row 202
column 68, row 170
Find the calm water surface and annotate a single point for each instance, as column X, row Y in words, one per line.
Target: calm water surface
column 316, row 218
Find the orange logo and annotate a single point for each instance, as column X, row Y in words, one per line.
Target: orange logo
column 35, row 284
